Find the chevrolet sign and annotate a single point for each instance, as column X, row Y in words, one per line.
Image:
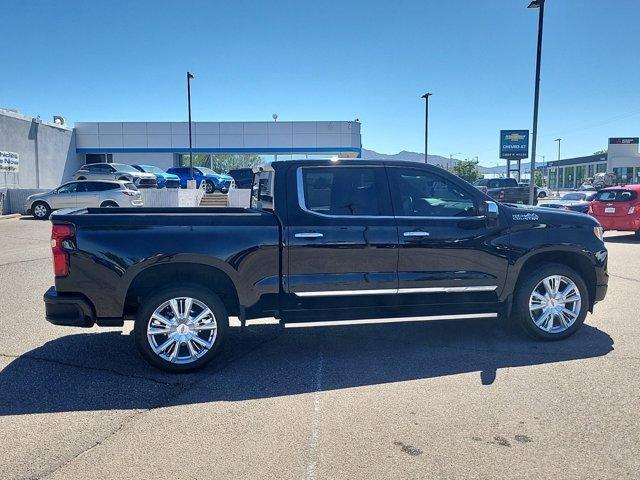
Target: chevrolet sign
column 514, row 144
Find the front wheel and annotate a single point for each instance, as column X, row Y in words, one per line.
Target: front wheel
column 41, row 210
column 180, row 328
column 542, row 194
column 551, row 302
column 209, row 187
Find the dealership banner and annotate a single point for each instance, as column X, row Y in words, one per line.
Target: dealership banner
column 9, row 162
column 514, row 144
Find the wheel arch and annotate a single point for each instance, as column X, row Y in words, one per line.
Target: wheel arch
column 574, row 260
column 159, row 276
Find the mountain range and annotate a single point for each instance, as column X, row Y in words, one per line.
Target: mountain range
column 438, row 160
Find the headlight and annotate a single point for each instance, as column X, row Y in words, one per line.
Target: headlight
column 599, row 232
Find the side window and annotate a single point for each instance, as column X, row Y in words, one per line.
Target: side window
column 262, row 191
column 340, row 190
column 68, row 188
column 419, row 193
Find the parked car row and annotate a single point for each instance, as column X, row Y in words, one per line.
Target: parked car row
column 505, row 190
column 150, row 176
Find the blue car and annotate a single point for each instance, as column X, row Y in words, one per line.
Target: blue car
column 213, row 181
column 165, row 179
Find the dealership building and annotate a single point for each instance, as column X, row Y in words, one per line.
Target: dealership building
column 46, row 154
column 621, row 158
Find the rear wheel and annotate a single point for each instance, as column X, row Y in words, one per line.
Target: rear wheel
column 551, row 302
column 209, row 187
column 542, row 194
column 180, row 328
column 109, row 204
column 41, row 210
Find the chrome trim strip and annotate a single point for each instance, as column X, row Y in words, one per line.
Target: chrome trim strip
column 389, row 320
column 391, row 291
column 480, row 288
column 343, row 293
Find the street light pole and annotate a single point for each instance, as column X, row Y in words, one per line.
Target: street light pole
column 539, row 4
column 426, row 126
column 189, row 77
column 558, row 167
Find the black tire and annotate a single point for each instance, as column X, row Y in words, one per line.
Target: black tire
column 209, row 187
column 542, row 195
column 155, row 300
column 521, row 314
column 39, row 216
column 81, row 178
column 109, row 204
column 637, row 234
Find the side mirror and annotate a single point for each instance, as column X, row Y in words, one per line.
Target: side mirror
column 491, row 210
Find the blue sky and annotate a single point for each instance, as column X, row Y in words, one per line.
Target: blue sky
column 335, row 60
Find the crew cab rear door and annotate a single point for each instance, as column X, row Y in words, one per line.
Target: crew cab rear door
column 448, row 251
column 341, row 236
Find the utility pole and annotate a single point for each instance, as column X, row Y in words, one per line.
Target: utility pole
column 191, row 182
column 558, row 167
column 539, row 4
column 426, row 126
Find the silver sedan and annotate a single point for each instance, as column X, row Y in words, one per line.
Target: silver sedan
column 83, row 194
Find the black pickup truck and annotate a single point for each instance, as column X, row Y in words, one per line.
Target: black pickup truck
column 506, row 190
column 324, row 241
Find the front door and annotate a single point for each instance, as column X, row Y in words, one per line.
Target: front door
column 65, row 196
column 449, row 253
column 342, row 239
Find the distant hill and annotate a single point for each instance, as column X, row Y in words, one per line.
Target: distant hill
column 438, row 160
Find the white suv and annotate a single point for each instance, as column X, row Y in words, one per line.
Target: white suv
column 83, row 194
column 116, row 171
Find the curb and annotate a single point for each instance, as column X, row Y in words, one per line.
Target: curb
column 11, row 215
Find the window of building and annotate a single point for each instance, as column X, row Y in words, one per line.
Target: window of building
column 569, row 177
column 581, row 174
column 601, row 167
column 591, row 170
column 553, row 176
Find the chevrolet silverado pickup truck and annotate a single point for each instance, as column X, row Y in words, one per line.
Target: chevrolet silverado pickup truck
column 324, row 242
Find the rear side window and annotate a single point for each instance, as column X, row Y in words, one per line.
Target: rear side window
column 262, row 191
column 341, row 191
column 616, row 196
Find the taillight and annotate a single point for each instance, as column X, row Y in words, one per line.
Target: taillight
column 633, row 209
column 60, row 234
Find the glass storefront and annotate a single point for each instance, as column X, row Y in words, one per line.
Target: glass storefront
column 601, row 167
column 569, row 177
column 552, row 178
column 581, row 174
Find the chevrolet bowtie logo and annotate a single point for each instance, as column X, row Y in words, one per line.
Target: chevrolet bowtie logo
column 514, row 137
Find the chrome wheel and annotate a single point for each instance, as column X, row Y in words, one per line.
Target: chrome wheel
column 554, row 304
column 182, row 330
column 40, row 211
column 209, row 188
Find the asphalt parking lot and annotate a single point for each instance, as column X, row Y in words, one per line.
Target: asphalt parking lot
column 464, row 399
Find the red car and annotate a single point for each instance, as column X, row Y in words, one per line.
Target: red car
column 618, row 208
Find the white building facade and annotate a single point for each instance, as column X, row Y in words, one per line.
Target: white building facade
column 622, row 158
column 163, row 143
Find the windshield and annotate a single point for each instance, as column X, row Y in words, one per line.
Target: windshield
column 573, row 196
column 151, row 169
column 121, row 167
column 207, row 171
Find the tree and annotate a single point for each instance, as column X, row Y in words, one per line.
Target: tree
column 538, row 178
column 467, row 170
column 222, row 163
column 600, row 152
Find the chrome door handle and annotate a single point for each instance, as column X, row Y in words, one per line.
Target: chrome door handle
column 417, row 233
column 308, row 235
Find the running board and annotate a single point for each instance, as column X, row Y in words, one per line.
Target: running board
column 336, row 323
